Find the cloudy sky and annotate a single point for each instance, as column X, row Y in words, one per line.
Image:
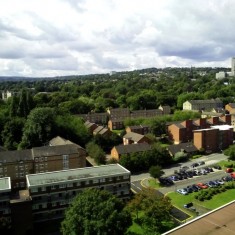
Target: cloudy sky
column 65, row 37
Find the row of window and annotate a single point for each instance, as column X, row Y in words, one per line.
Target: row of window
column 78, row 184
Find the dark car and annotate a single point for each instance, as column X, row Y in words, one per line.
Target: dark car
column 194, row 165
column 195, row 188
column 201, row 163
column 217, row 167
column 227, row 178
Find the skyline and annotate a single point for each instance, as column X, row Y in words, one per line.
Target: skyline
column 70, row 37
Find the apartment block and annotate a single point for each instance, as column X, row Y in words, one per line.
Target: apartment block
column 180, row 132
column 52, row 192
column 5, row 192
column 213, row 139
column 17, row 164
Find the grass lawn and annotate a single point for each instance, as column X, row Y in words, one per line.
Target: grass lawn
column 153, row 183
column 218, row 200
column 224, row 162
column 135, row 228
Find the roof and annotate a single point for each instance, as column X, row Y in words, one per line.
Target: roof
column 187, row 147
column 211, row 101
column 132, row 148
column 59, row 141
column 133, row 136
column 78, row 174
column 5, row 184
column 220, row 221
column 16, row 155
column 232, row 105
column 98, row 129
column 54, row 150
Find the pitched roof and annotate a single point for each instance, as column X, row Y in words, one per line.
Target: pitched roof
column 232, row 105
column 132, row 148
column 133, row 136
column 61, row 141
column 54, row 150
column 211, row 101
column 16, row 155
column 187, row 147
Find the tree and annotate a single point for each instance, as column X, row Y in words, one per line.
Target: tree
column 96, row 212
column 156, row 217
column 38, row 128
column 96, row 152
column 12, row 133
column 230, row 152
column 156, row 172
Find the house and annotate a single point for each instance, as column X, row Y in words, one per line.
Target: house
column 98, row 118
column 206, row 105
column 7, row 94
column 116, row 124
column 188, row 148
column 135, row 138
column 118, row 113
column 118, row 151
column 166, row 109
column 91, row 126
column 141, row 129
column 146, row 113
column 102, row 131
column 230, row 108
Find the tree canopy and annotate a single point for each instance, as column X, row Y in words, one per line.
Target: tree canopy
column 96, row 212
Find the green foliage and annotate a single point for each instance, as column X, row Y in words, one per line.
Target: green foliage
column 12, row 133
column 71, row 128
column 96, row 152
column 96, row 212
column 156, row 217
column 230, row 152
column 136, row 162
column 38, row 129
column 156, row 171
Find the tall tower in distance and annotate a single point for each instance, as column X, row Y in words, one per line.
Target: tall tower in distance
column 233, row 66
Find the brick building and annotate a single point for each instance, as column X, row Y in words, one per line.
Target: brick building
column 180, row 132
column 17, row 164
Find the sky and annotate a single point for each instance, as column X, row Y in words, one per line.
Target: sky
column 47, row 38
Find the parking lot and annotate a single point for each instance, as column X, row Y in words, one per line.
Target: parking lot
column 198, row 174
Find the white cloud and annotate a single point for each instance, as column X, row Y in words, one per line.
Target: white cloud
column 63, row 37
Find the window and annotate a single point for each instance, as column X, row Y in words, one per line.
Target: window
column 43, row 189
column 34, row 190
column 62, row 185
column 78, row 184
column 70, row 185
column 22, row 184
column 53, row 187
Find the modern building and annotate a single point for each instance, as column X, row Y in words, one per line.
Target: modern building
column 48, row 194
column 52, row 192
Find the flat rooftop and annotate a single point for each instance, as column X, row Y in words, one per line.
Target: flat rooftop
column 5, row 184
column 75, row 174
column 220, row 221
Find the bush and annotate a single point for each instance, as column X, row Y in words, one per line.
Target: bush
column 196, row 156
column 229, row 165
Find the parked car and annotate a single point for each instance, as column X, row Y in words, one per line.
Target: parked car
column 211, row 184
column 182, row 191
column 217, row 167
column 227, row 178
column 219, row 182
column 202, row 185
column 201, row 163
column 203, row 171
column 194, row 165
column 208, row 169
column 166, row 181
column 233, row 175
column 229, row 170
column 191, row 189
column 196, row 187
column 174, row 177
